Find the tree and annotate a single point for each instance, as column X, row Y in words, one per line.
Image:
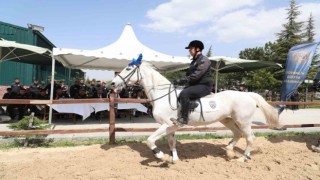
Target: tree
column 310, row 29
column 290, row 36
column 263, row 78
column 309, row 34
column 277, row 51
column 209, row 53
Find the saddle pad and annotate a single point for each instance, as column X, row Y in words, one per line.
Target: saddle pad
column 208, row 105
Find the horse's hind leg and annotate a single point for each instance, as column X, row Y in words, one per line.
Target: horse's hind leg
column 247, row 132
column 172, row 145
column 231, row 124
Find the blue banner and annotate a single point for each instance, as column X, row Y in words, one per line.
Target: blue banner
column 297, row 66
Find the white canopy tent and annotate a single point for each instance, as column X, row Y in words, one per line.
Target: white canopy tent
column 117, row 55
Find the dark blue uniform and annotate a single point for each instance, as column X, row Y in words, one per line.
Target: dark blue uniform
column 199, row 78
column 199, row 82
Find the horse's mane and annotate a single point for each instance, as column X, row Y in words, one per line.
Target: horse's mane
column 154, row 68
column 150, row 65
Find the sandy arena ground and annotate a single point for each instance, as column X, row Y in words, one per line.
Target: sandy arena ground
column 275, row 158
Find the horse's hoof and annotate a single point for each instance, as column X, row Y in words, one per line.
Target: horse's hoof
column 174, row 159
column 230, row 154
column 315, row 148
column 241, row 159
column 159, row 155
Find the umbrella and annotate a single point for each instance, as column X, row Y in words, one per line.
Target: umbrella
column 11, row 50
column 224, row 64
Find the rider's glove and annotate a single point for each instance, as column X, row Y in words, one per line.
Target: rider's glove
column 183, row 80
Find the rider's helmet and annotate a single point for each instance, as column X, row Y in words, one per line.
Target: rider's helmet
column 196, row 44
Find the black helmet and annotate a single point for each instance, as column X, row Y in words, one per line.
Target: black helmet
column 196, row 44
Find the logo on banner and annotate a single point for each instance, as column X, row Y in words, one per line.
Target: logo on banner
column 300, row 57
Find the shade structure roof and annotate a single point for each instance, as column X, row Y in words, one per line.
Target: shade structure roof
column 11, row 50
column 117, row 55
column 224, row 64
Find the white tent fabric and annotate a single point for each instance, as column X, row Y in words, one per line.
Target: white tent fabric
column 117, row 55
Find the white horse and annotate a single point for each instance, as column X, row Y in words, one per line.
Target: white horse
column 234, row 109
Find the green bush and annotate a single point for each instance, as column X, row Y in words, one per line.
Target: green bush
column 23, row 124
column 30, row 140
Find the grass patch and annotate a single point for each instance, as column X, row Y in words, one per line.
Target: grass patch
column 72, row 143
column 120, row 141
column 289, row 133
column 199, row 136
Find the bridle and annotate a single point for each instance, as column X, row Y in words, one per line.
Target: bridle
column 139, row 77
column 127, row 78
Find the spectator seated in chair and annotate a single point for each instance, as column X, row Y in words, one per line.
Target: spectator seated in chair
column 61, row 94
column 99, row 94
column 8, row 95
column 21, row 107
column 82, row 94
column 40, row 109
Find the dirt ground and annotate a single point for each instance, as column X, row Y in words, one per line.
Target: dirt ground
column 274, row 158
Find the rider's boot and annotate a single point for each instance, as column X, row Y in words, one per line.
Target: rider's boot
column 183, row 119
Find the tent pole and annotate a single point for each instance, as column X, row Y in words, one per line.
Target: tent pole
column 216, row 85
column 69, row 83
column 217, row 73
column 51, row 88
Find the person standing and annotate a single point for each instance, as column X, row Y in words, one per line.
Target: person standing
column 16, row 86
column 35, row 88
column 74, row 89
column 64, row 87
column 56, row 86
column 198, row 79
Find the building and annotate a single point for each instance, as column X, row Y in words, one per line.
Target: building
column 9, row 70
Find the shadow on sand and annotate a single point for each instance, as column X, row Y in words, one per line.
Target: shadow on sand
column 186, row 151
column 308, row 139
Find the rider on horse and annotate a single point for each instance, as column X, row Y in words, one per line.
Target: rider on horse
column 198, row 79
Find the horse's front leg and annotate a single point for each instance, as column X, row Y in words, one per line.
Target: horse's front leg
column 164, row 129
column 153, row 138
column 172, row 145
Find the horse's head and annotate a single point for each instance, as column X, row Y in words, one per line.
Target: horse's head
column 128, row 76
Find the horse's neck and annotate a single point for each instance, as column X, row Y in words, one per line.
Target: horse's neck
column 154, row 84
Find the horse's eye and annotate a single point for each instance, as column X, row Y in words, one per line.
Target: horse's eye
column 128, row 68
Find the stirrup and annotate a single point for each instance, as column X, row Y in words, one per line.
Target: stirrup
column 177, row 122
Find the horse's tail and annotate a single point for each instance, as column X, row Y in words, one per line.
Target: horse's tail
column 270, row 113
